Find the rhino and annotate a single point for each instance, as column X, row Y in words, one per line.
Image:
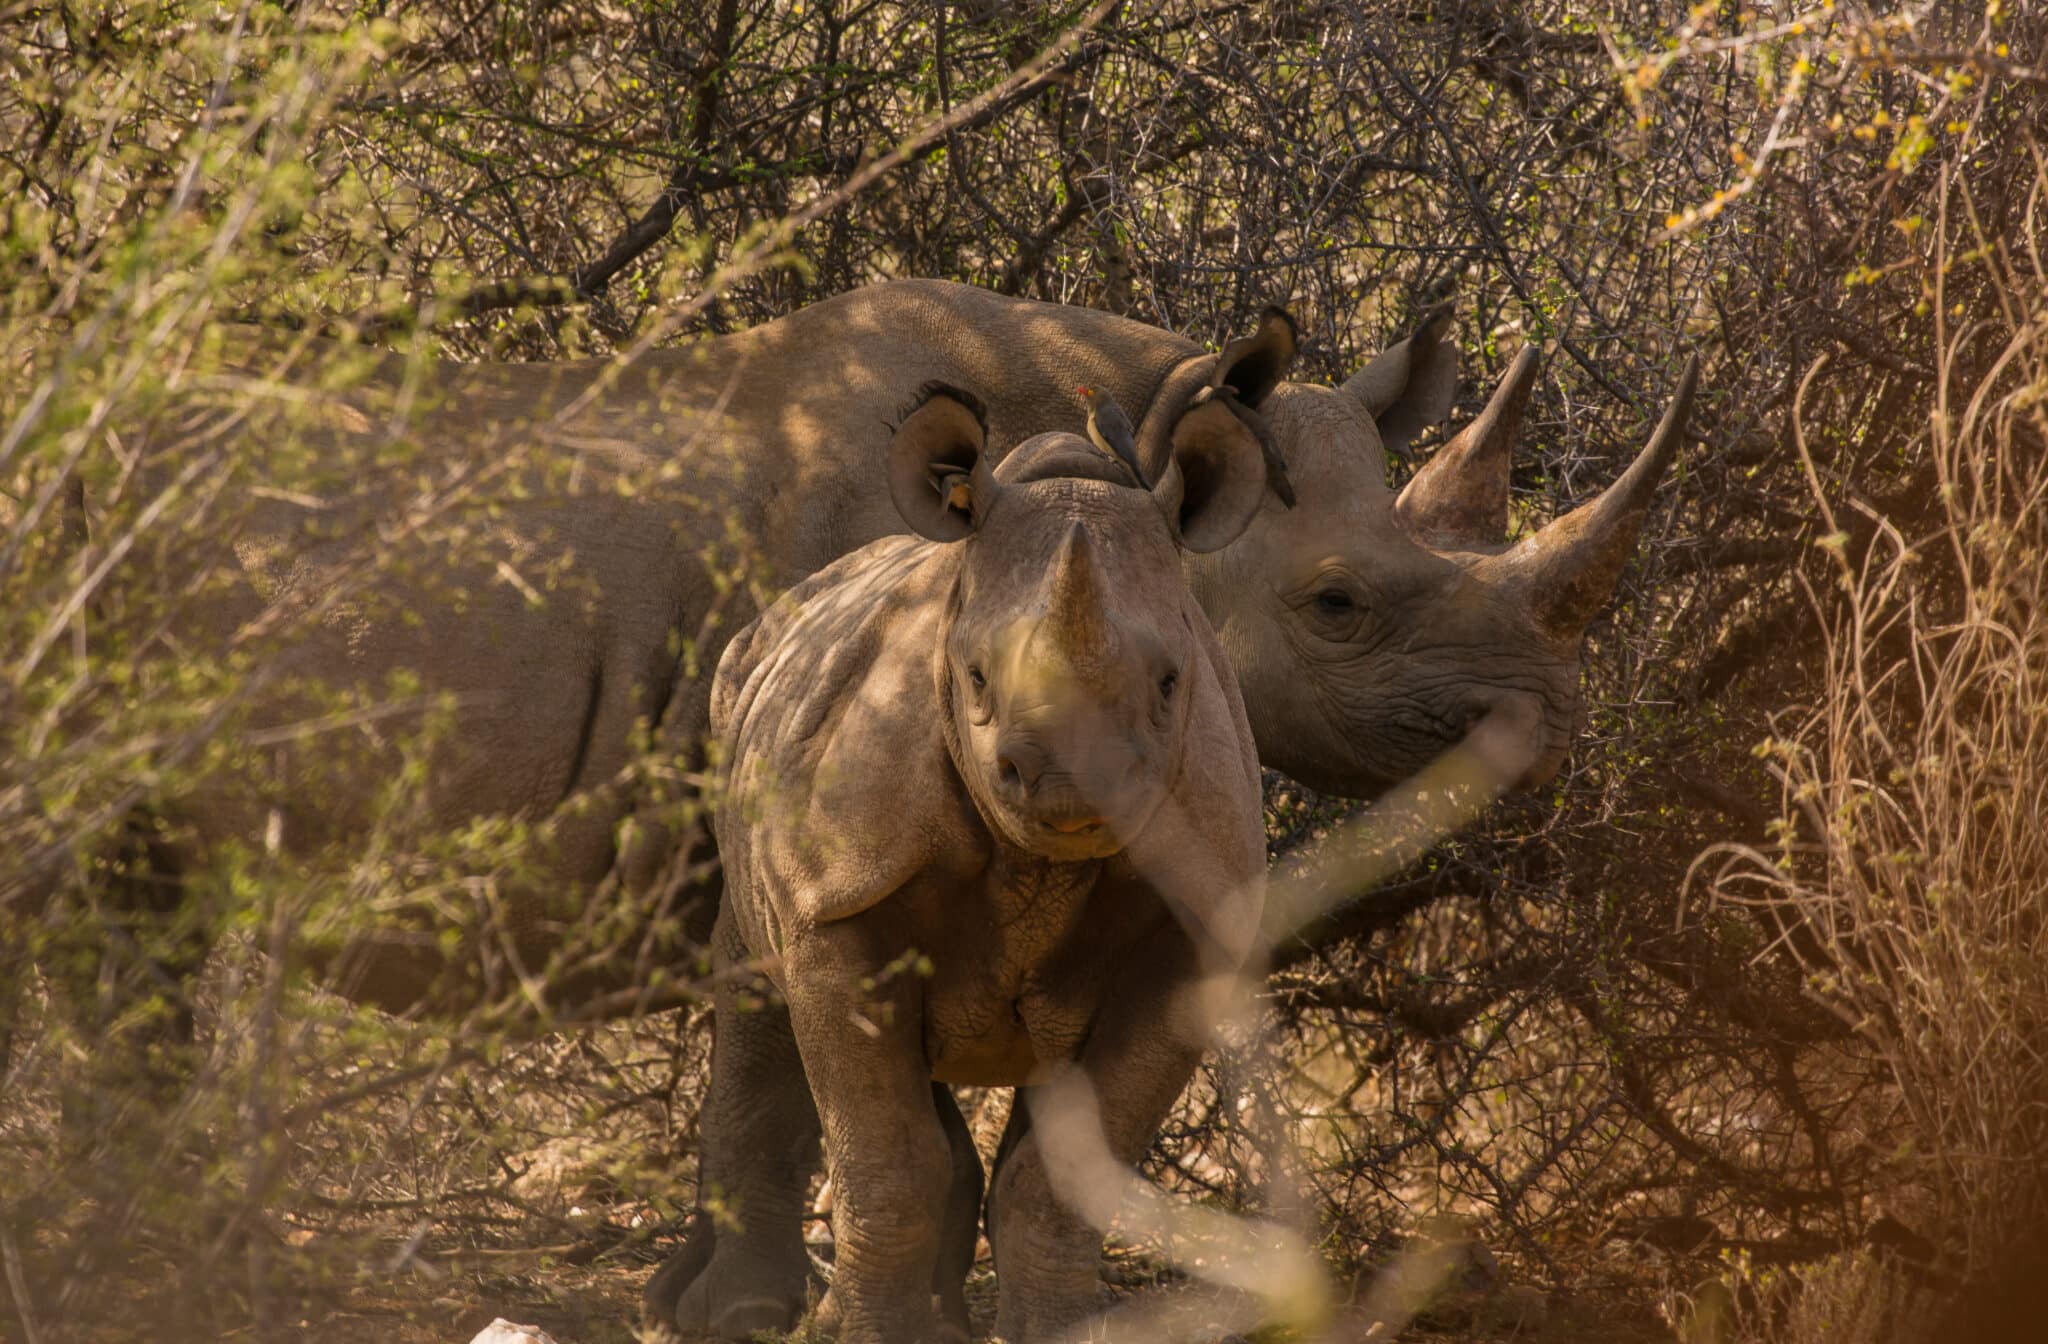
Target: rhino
column 993, row 813
column 1367, row 630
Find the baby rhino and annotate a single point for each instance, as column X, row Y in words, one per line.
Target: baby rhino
column 993, row 815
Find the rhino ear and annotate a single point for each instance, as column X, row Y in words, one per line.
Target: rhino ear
column 1410, row 386
column 1240, row 377
column 939, row 475
column 1215, row 480
column 1252, row 366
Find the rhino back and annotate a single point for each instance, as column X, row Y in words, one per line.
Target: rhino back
column 608, row 487
column 839, row 785
column 547, row 606
column 822, row 390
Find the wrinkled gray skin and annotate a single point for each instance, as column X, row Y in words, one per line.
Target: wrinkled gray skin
column 1022, row 757
column 1371, row 631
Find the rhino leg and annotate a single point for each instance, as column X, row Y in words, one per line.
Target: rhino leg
column 1014, row 1130
column 743, row 1267
column 1048, row 1257
column 963, row 1217
column 891, row 1161
column 958, row 1232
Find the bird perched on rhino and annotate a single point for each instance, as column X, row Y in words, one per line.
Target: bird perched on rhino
column 1110, row 430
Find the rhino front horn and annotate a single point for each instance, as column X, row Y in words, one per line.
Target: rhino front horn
column 1568, row 569
column 1074, row 607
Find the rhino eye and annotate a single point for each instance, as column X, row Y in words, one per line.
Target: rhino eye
column 1166, row 685
column 976, row 680
column 1335, row 602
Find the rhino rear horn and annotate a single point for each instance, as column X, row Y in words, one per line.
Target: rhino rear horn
column 939, row 475
column 1459, row 500
column 1410, row 386
column 1567, row 570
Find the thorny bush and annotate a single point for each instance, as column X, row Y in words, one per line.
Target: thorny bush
column 1703, row 1001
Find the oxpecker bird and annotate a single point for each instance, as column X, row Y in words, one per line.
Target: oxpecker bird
column 1111, row 431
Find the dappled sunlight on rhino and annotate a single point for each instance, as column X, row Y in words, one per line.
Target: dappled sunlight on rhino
column 993, row 816
column 591, row 533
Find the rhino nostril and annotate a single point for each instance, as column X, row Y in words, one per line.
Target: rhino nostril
column 1020, row 763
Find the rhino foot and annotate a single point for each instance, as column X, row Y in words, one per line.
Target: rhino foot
column 949, row 1315
column 735, row 1296
column 658, row 1301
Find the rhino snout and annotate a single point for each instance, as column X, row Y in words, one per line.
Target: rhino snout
column 1066, row 809
column 1066, row 800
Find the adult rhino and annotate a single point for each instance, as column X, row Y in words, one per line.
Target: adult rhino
column 1007, row 752
column 1367, row 631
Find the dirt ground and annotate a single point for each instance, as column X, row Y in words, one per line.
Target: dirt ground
column 561, row 1244
column 599, row 1304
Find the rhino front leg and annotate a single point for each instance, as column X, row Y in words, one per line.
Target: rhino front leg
column 742, row 1267
column 1048, row 1257
column 886, row 1147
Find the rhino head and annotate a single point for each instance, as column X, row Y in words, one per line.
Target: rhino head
column 1371, row 631
column 1072, row 658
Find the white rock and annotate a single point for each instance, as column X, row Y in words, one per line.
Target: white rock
column 502, row 1331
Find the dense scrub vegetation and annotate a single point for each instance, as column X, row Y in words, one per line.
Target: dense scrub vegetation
column 1751, row 995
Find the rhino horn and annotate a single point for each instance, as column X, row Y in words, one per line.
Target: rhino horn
column 1410, row 386
column 1459, row 500
column 1074, row 609
column 1567, row 570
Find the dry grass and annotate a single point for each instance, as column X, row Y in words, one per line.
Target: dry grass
column 1913, row 859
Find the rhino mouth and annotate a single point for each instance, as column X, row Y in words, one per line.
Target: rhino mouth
column 1057, row 806
column 1058, row 817
column 1066, row 833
